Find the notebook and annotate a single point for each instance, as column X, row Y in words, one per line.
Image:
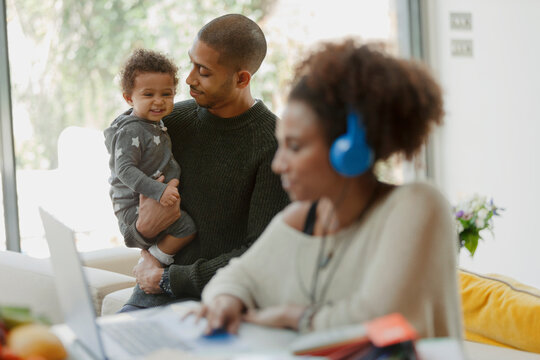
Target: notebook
column 120, row 337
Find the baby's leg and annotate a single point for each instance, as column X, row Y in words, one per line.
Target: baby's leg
column 171, row 245
column 167, row 247
column 179, row 234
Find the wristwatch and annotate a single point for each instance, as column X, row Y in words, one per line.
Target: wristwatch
column 165, row 283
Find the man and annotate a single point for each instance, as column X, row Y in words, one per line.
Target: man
column 224, row 142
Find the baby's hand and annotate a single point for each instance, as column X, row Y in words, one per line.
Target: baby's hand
column 170, row 196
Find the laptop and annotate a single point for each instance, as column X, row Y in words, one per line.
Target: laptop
column 123, row 336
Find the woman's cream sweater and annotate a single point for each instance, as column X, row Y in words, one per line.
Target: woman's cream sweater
column 400, row 258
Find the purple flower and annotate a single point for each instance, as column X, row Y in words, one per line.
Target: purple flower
column 460, row 213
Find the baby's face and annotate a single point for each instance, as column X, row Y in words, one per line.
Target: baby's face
column 153, row 96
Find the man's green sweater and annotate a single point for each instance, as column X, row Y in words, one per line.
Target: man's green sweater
column 227, row 187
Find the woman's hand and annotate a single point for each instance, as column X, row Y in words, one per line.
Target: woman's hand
column 283, row 316
column 154, row 217
column 148, row 273
column 224, row 312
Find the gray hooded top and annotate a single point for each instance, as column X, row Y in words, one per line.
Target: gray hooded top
column 140, row 152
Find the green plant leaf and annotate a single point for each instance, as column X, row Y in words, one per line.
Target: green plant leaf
column 13, row 316
column 470, row 240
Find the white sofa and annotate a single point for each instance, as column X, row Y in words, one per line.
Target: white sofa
column 29, row 282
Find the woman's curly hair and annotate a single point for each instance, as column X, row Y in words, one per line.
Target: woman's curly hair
column 398, row 98
column 146, row 61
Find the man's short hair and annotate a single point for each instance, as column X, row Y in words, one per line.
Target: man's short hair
column 240, row 41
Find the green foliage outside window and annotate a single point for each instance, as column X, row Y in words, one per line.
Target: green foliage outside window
column 86, row 42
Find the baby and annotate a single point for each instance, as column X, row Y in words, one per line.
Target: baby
column 140, row 149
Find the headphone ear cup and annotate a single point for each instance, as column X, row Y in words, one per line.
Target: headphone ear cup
column 350, row 155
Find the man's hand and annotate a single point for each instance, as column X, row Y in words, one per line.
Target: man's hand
column 283, row 316
column 148, row 273
column 224, row 312
column 170, row 195
column 154, row 217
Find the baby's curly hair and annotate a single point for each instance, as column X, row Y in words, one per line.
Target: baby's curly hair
column 399, row 99
column 145, row 61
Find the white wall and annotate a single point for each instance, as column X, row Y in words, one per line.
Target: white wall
column 490, row 141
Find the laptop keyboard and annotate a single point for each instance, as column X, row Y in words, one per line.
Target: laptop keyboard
column 142, row 337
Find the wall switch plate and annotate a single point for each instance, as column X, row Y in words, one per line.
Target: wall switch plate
column 461, row 21
column 462, row 48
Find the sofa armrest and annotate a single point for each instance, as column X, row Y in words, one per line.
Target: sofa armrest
column 103, row 282
column 28, row 281
column 120, row 260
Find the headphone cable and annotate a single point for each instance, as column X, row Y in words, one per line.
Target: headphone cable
column 321, row 265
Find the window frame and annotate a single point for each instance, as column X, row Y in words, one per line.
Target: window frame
column 7, row 149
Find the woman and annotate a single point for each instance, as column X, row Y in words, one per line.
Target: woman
column 349, row 248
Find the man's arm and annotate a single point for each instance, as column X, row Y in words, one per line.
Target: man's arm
column 267, row 199
column 153, row 218
column 148, row 273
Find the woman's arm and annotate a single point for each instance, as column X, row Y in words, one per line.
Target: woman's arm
column 283, row 316
column 224, row 312
column 244, row 276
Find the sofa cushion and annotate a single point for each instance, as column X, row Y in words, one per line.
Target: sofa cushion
column 476, row 351
column 28, row 281
column 104, row 282
column 498, row 310
column 115, row 300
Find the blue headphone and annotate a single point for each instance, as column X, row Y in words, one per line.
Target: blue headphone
column 350, row 154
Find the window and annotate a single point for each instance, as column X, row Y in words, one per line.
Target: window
column 64, row 59
column 2, row 225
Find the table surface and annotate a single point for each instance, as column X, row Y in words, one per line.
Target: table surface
column 273, row 342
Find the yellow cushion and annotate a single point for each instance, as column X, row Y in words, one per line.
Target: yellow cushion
column 500, row 311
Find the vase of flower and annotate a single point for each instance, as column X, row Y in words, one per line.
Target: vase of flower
column 473, row 216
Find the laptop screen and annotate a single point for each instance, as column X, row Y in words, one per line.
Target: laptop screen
column 71, row 285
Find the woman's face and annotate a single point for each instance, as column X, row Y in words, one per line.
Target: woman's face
column 302, row 155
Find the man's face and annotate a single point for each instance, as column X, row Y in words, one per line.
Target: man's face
column 211, row 84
